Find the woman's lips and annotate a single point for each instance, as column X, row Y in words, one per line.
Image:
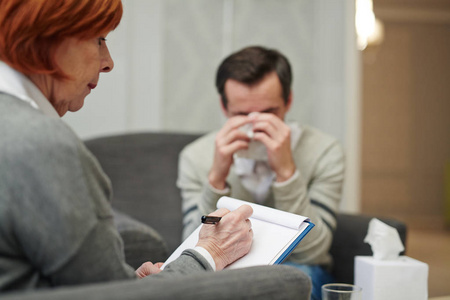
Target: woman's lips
column 92, row 86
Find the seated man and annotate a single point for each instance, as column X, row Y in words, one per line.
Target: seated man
column 259, row 158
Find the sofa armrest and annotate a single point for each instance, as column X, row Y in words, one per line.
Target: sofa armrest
column 267, row 282
column 141, row 242
column 348, row 241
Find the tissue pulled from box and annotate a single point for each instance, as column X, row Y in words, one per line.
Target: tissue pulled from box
column 256, row 150
column 384, row 240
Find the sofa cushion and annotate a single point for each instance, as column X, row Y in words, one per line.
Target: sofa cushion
column 141, row 242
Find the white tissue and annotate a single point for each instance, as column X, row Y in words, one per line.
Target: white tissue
column 256, row 150
column 384, row 240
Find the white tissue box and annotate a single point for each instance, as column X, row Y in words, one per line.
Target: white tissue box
column 403, row 278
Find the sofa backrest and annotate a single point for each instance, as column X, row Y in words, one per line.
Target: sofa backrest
column 143, row 171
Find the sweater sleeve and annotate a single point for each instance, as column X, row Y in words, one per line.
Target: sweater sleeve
column 318, row 199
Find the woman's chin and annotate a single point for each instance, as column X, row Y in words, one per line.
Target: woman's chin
column 76, row 106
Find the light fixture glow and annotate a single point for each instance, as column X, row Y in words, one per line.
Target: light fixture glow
column 368, row 28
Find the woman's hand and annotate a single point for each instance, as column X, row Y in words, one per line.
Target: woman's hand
column 148, row 268
column 231, row 238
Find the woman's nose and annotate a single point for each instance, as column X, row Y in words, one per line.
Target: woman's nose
column 107, row 61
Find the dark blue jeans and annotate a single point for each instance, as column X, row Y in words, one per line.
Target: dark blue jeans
column 318, row 275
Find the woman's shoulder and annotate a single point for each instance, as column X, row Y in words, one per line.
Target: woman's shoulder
column 26, row 129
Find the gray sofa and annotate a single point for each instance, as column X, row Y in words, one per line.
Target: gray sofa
column 147, row 204
column 143, row 170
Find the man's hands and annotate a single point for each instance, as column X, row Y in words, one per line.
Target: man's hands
column 231, row 238
column 228, row 140
column 276, row 136
column 269, row 130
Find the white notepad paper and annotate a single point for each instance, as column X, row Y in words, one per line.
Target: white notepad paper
column 276, row 233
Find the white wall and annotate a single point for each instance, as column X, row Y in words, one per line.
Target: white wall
column 166, row 53
column 129, row 98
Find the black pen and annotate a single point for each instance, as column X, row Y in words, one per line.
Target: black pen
column 210, row 219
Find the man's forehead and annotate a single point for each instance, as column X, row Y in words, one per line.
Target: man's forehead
column 237, row 111
column 264, row 89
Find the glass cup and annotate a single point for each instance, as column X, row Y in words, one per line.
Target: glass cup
column 341, row 291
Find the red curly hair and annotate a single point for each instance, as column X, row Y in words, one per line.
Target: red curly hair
column 31, row 30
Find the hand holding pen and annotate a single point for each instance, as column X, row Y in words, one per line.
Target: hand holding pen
column 229, row 239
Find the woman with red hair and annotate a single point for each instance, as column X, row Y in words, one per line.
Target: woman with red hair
column 59, row 46
column 56, row 224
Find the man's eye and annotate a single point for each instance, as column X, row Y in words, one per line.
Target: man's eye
column 271, row 111
column 100, row 40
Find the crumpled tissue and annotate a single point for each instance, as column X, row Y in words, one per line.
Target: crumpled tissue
column 384, row 240
column 256, row 150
